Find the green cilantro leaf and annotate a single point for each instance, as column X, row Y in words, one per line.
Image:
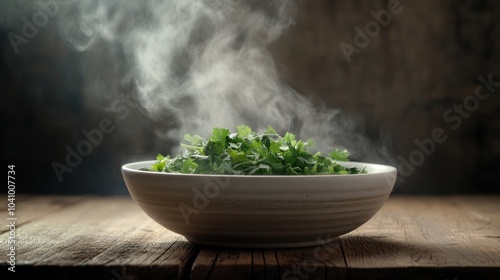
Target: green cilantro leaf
column 249, row 153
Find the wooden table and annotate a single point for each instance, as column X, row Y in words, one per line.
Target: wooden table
column 89, row 237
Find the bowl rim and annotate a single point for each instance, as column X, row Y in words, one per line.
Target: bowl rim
column 133, row 167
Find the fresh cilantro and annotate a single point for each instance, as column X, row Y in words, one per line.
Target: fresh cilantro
column 249, row 153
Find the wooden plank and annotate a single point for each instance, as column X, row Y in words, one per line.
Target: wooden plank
column 112, row 238
column 485, row 208
column 149, row 251
column 29, row 207
column 311, row 262
column 422, row 232
column 272, row 270
column 204, row 263
column 223, row 264
column 104, row 234
column 332, row 256
column 322, row 261
column 326, row 258
column 20, row 197
column 295, row 263
column 232, row 264
column 258, row 265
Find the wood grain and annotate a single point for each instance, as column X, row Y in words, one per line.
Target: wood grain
column 424, row 232
column 423, row 237
column 30, row 207
column 105, row 233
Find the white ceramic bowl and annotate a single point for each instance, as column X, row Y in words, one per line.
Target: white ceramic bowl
column 259, row 211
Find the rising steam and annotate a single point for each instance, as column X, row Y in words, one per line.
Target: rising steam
column 204, row 63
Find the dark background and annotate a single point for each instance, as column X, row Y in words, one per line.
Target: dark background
column 426, row 60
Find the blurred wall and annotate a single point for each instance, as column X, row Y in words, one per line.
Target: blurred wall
column 423, row 64
column 408, row 72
